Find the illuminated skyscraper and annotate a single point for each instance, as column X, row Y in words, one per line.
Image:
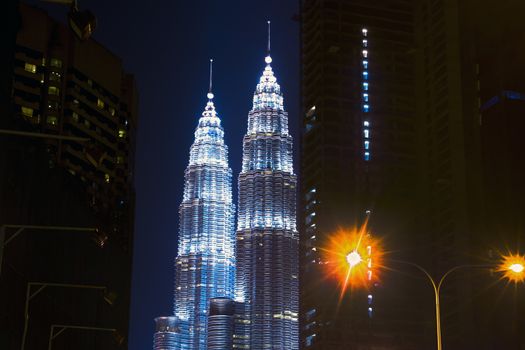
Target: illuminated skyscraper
column 205, row 263
column 267, row 238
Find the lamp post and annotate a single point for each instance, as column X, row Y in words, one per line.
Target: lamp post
column 515, row 267
column 61, row 328
column 20, row 228
column 30, row 294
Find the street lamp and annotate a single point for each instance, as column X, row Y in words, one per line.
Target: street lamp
column 30, row 294
column 20, row 228
column 353, row 258
column 513, row 267
column 61, row 328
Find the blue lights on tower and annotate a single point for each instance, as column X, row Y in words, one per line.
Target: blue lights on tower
column 205, row 263
column 267, row 286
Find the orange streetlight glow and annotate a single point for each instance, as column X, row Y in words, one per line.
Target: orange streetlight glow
column 351, row 257
column 513, row 267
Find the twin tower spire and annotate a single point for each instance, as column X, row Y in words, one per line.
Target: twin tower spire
column 267, row 59
column 248, row 271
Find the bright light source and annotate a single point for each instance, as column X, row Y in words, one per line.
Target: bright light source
column 345, row 257
column 353, row 258
column 513, row 267
column 516, row 268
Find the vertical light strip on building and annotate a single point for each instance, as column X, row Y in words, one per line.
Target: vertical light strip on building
column 365, row 100
column 365, row 107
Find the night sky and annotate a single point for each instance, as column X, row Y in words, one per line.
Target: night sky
column 167, row 45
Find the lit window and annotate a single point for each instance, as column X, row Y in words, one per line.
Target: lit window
column 28, row 112
column 364, row 31
column 366, row 133
column 74, row 117
column 30, row 68
column 365, row 75
column 370, row 311
column 100, row 103
column 365, row 43
column 55, row 62
column 365, row 53
column 365, row 86
column 112, row 111
column 309, row 340
column 365, row 97
column 310, row 313
column 121, row 133
column 366, row 123
column 366, row 108
column 370, row 298
column 52, row 120
column 367, row 156
column 365, row 64
column 107, row 178
column 54, row 76
column 75, row 101
column 367, row 144
column 53, row 90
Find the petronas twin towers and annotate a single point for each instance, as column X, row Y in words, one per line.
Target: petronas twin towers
column 238, row 290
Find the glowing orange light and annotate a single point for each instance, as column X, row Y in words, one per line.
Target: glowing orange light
column 351, row 257
column 513, row 267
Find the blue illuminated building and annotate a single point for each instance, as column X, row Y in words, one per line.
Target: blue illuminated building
column 205, row 263
column 267, row 239
column 167, row 333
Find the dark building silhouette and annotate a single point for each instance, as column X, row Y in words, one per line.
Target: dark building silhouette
column 358, row 159
column 430, row 151
column 67, row 88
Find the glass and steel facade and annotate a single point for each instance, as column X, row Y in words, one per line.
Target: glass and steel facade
column 205, row 263
column 220, row 324
column 267, row 238
column 166, row 333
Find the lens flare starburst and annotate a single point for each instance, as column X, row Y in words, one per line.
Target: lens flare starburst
column 513, row 267
column 352, row 257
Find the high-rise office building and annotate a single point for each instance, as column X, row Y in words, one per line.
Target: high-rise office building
column 205, row 262
column 220, row 324
column 79, row 173
column 469, row 88
column 441, row 130
column 166, row 334
column 358, row 163
column 267, row 238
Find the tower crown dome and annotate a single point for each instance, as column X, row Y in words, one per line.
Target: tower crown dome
column 268, row 92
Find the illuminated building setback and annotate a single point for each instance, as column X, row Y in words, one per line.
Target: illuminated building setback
column 166, row 335
column 205, row 263
column 267, row 238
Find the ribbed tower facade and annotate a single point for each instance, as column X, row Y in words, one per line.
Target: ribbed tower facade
column 205, row 263
column 267, row 238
